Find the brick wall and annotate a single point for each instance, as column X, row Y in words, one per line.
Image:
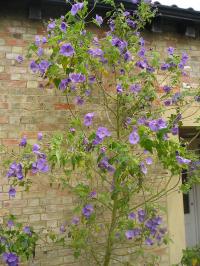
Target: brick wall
column 25, row 109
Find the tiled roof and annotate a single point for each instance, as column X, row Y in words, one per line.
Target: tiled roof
column 193, row 5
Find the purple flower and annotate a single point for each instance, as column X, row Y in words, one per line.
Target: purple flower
column 91, row 79
column 112, row 25
column 141, row 216
column 142, row 64
column 27, row 230
column 77, row 77
column 87, row 92
column 103, row 132
column 132, row 216
column 63, row 228
column 165, row 66
column 39, row 136
column 156, row 125
column 36, row 148
column 135, row 88
column 119, row 89
column 15, row 170
column 10, row 223
column 142, row 52
column 40, row 51
column 134, row 137
column 40, row 165
column 149, row 241
column 176, row 97
column 182, row 160
column 87, row 210
column 67, row 50
column 93, row 194
column 44, row 40
column 130, row 234
column 72, row 130
column 23, row 142
column 63, row 26
column 88, row 119
column 79, row 100
column 99, row 20
column 37, row 40
column 75, row 220
column 33, row 66
column 19, row 59
column 43, row 66
column 131, row 23
column 95, row 52
column 167, row 102
column 127, row 56
column 12, row 192
column 184, row 58
column 167, row 89
column 51, row 26
column 170, row 50
column 141, row 121
column 143, row 168
column 149, row 160
column 105, row 165
column 174, row 130
column 141, row 41
column 76, row 7
column 63, row 84
column 120, row 44
column 11, row 259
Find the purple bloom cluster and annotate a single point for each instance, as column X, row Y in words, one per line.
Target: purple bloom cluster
column 105, row 165
column 27, row 230
column 15, row 170
column 40, row 165
column 87, row 210
column 23, row 142
column 119, row 89
column 156, row 125
column 76, row 7
column 130, row 234
column 135, row 88
column 63, row 26
column 12, row 192
column 41, row 67
column 88, row 119
column 134, row 137
column 182, row 160
column 101, row 134
column 64, row 83
column 67, row 50
column 120, row 44
column 144, row 226
column 19, row 59
column 98, row 20
column 11, row 259
column 77, row 77
column 96, row 52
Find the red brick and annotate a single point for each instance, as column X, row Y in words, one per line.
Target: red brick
column 4, row 76
column 29, row 134
column 3, row 105
column 15, row 84
column 10, row 142
column 16, row 42
column 3, row 119
column 63, row 106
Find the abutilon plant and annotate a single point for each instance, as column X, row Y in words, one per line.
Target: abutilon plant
column 120, row 128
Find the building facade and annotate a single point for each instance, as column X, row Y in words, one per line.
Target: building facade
column 26, row 109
